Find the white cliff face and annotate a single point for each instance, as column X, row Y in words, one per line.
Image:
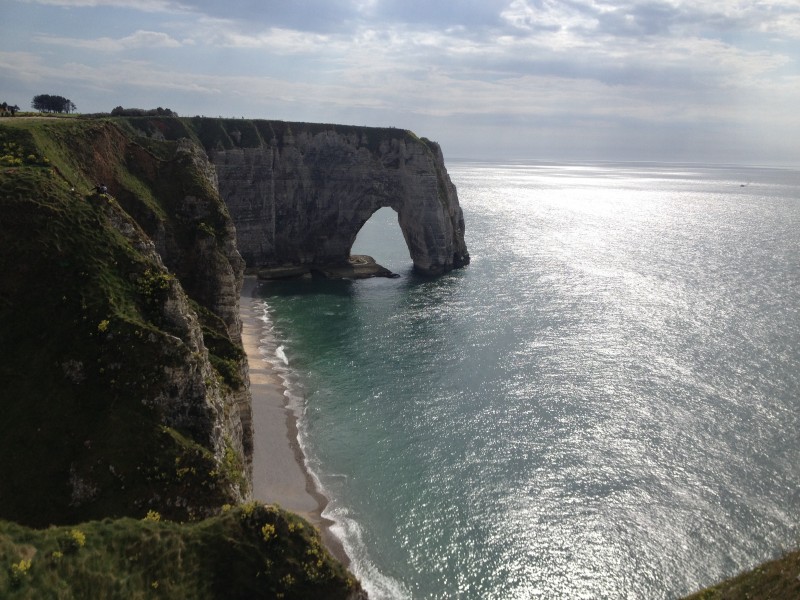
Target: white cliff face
column 210, row 265
column 301, row 195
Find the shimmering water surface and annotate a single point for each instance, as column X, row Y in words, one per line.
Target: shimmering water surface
column 604, row 404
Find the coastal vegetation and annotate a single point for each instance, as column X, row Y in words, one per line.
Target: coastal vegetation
column 88, row 339
column 777, row 579
column 246, row 552
column 53, row 104
column 119, row 111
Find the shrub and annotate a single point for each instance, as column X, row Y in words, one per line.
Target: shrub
column 19, row 571
column 76, row 540
column 268, row 532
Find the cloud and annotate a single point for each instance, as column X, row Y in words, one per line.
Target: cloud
column 224, row 33
column 643, row 18
column 144, row 75
column 24, row 66
column 554, row 62
column 635, row 43
column 139, row 5
column 466, row 14
column 138, row 39
column 321, row 16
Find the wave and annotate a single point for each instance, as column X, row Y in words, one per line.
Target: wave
column 281, row 354
column 377, row 584
column 345, row 528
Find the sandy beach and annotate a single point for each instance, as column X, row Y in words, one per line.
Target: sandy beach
column 279, row 473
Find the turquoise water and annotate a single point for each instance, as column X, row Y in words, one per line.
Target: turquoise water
column 603, row 404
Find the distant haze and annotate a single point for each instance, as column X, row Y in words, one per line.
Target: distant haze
column 665, row 80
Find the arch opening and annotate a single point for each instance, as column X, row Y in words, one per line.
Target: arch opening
column 381, row 238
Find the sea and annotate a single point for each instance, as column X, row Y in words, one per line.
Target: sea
column 604, row 404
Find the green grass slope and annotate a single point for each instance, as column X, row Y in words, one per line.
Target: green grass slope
column 249, row 552
column 225, row 134
column 774, row 580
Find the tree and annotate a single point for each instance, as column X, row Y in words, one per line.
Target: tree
column 8, row 109
column 49, row 103
column 119, row 111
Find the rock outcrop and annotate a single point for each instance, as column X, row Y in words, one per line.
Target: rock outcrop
column 190, row 397
column 299, row 193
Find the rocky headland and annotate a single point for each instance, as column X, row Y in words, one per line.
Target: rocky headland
column 299, row 193
column 125, row 384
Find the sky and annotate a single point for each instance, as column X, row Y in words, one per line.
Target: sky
column 653, row 80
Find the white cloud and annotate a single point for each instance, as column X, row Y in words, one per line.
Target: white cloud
column 546, row 15
column 278, row 40
column 24, row 66
column 140, row 5
column 138, row 39
column 534, row 61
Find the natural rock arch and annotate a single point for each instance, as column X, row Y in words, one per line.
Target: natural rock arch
column 300, row 198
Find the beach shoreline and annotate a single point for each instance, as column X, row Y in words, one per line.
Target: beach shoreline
column 280, row 475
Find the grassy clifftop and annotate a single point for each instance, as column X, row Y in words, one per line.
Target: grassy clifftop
column 225, row 134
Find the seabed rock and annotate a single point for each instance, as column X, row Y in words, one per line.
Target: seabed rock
column 357, row 267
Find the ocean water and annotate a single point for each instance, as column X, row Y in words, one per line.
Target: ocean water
column 604, row 404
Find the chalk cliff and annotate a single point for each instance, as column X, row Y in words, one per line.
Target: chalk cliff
column 299, row 193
